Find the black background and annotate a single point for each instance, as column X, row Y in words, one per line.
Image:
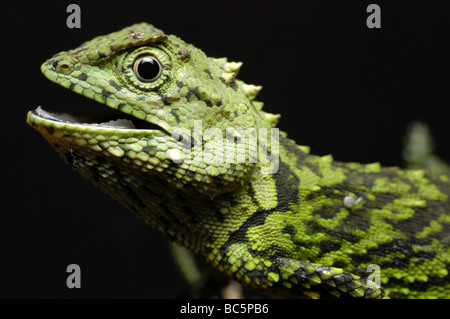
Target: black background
column 341, row 88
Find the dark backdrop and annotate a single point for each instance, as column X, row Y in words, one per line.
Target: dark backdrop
column 342, row 88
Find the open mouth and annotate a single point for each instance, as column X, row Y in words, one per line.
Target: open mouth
column 88, row 113
column 118, row 121
column 72, row 119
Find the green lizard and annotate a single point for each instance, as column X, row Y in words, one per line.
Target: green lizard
column 176, row 149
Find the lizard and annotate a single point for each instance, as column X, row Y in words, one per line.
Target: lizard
column 178, row 142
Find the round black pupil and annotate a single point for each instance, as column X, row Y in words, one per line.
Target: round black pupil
column 148, row 68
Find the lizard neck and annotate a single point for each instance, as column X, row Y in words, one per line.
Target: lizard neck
column 333, row 213
column 321, row 196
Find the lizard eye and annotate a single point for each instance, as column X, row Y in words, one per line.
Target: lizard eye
column 147, row 68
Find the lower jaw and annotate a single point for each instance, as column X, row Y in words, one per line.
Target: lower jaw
column 89, row 136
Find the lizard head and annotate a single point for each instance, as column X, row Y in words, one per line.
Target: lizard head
column 171, row 112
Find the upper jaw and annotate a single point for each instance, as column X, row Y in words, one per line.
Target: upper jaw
column 89, row 112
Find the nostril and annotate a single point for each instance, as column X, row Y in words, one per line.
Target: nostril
column 61, row 65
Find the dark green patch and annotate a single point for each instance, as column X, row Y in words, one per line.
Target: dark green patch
column 147, row 149
column 83, row 77
column 115, row 85
column 105, row 93
column 286, row 184
column 209, row 73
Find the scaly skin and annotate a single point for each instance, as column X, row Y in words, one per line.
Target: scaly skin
column 311, row 228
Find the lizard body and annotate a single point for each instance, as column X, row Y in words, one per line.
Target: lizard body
column 310, row 227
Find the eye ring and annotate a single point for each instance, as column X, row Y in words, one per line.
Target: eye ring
column 147, row 68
